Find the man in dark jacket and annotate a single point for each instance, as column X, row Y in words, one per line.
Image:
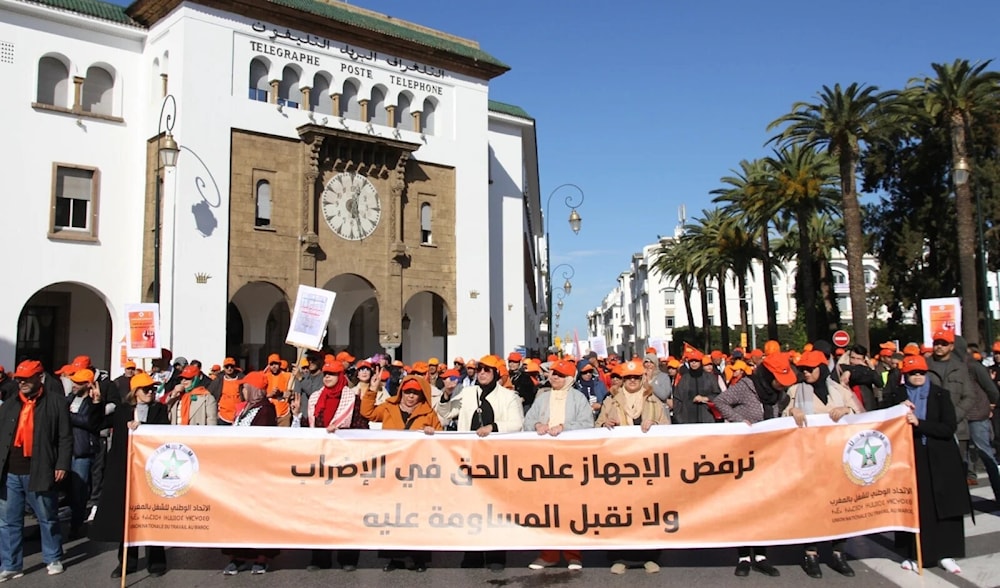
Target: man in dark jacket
column 948, row 370
column 86, row 415
column 980, row 427
column 36, row 446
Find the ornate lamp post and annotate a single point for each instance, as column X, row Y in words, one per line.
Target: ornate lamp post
column 167, row 152
column 575, row 221
column 961, row 174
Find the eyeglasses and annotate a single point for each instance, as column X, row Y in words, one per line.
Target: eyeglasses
column 917, row 373
column 484, row 368
column 229, row 367
column 632, row 378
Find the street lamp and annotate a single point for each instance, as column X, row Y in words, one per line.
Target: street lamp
column 961, row 174
column 167, row 152
column 575, row 222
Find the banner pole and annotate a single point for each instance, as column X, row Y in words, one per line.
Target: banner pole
column 128, row 484
column 920, row 556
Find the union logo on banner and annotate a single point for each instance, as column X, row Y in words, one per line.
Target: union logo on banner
column 867, row 456
column 171, row 469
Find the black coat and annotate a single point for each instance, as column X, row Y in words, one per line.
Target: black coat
column 86, row 424
column 939, row 456
column 53, row 438
column 109, row 523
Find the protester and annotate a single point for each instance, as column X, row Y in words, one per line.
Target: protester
column 86, row 418
column 557, row 409
column 226, row 391
column 137, row 408
column 947, row 368
column 36, row 449
column 694, row 390
column 944, row 497
column 190, row 403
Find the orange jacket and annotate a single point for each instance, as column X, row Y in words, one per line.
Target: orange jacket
column 229, row 398
column 389, row 414
column 278, row 384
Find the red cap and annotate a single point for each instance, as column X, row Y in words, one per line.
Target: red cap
column 385, row 375
column 365, row 365
column 514, row 356
column 81, row 362
column 914, row 349
column 716, row 354
column 257, row 380
column 780, row 368
column 345, row 356
column 28, row 368
column 944, row 335
column 996, row 346
column 419, row 367
column 216, row 367
column 914, row 363
column 273, row 358
column 810, row 359
column 451, row 374
column 564, row 368
column 756, row 353
column 411, row 384
column 333, row 367
column 66, row 370
column 190, row 372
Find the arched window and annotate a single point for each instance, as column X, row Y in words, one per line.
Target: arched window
column 263, row 198
column 288, row 88
column 839, row 278
column 98, row 91
column 376, row 108
column 404, row 117
column 319, row 98
column 425, row 224
column 427, row 119
column 349, row 106
column 258, row 81
column 53, row 82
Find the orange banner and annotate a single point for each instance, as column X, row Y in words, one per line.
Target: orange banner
column 677, row 486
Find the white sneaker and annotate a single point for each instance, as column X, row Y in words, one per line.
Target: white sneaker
column 10, row 575
column 93, row 513
column 651, row 567
column 55, row 568
column 950, row 565
column 909, row 565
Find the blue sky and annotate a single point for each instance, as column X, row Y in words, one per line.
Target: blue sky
column 645, row 104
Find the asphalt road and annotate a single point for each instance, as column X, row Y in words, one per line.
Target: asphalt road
column 873, row 559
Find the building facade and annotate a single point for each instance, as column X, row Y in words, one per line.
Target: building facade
column 323, row 145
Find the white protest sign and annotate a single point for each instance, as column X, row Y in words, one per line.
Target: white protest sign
column 310, row 317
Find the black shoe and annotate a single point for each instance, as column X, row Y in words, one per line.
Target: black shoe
column 811, row 566
column 157, row 570
column 742, row 568
column 117, row 572
column 839, row 565
column 393, row 565
column 763, row 566
column 349, row 568
column 496, row 567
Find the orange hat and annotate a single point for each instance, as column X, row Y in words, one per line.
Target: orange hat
column 716, row 354
column 566, row 369
column 996, row 347
column 345, row 356
column 810, row 359
column 333, row 367
column 66, row 370
column 81, row 362
column 304, row 362
column 419, row 367
column 514, row 356
column 256, row 380
column 411, row 384
column 887, row 345
column 914, row 349
column 385, row 375
column 772, row 347
column 140, row 381
column 552, row 357
column 284, row 364
column 741, row 366
column 616, row 370
column 977, row 356
column 756, row 353
column 944, row 335
column 652, row 350
column 228, row 361
column 458, row 360
column 129, row 365
column 216, row 367
column 780, row 368
column 587, row 368
column 693, row 354
column 83, row 377
column 273, row 358
column 363, row 365
column 28, row 368
column 493, row 362
column 633, row 368
column 886, row 352
column 838, row 351
column 190, row 372
column 397, row 362
column 914, row 363
column 433, row 361
column 451, row 374
column 673, row 363
column 532, row 367
column 807, row 347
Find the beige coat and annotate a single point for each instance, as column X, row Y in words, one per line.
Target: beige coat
column 613, row 411
column 802, row 397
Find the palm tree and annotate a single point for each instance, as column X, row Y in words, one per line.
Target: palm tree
column 711, row 258
column 673, row 261
column 953, row 97
column 840, row 121
column 750, row 202
column 802, row 180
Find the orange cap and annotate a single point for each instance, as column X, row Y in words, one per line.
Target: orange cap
column 284, row 364
column 419, row 367
column 433, row 361
column 228, row 361
column 274, row 358
column 716, row 354
column 451, row 374
column 913, row 363
column 566, row 369
column 363, row 365
column 772, row 347
column 514, row 356
column 255, row 379
column 944, row 335
column 216, row 367
column 130, row 365
column 996, row 346
column 914, row 349
column 28, row 368
column 810, row 359
column 493, row 362
column 780, row 368
column 190, row 372
column 81, row 362
column 140, row 381
column 83, row 377
column 333, row 367
column 632, row 368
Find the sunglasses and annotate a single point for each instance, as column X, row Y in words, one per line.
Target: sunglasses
column 941, row 343
column 631, row 378
column 917, row 373
column 484, row 368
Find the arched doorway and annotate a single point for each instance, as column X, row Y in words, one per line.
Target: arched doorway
column 257, row 323
column 354, row 321
column 425, row 327
column 64, row 320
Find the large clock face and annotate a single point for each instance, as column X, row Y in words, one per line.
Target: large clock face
column 351, row 206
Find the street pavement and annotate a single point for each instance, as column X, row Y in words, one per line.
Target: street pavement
column 872, row 557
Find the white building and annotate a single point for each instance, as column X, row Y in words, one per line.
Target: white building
column 290, row 122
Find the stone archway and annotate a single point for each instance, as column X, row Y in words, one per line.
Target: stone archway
column 425, row 327
column 261, row 311
column 354, row 321
column 63, row 320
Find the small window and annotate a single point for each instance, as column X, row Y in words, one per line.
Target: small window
column 377, row 113
column 668, row 296
column 288, row 88
column 427, row 118
column 319, row 98
column 710, row 295
column 839, row 278
column 98, row 92
column 350, row 108
column 425, row 224
column 869, row 277
column 670, row 321
column 263, row 199
column 74, row 207
column 53, row 82
column 404, row 117
column 258, row 81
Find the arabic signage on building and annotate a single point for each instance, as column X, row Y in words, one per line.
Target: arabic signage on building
column 676, row 486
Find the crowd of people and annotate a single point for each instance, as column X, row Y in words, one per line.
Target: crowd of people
column 62, row 431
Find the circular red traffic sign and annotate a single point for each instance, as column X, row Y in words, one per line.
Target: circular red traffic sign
column 841, row 338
